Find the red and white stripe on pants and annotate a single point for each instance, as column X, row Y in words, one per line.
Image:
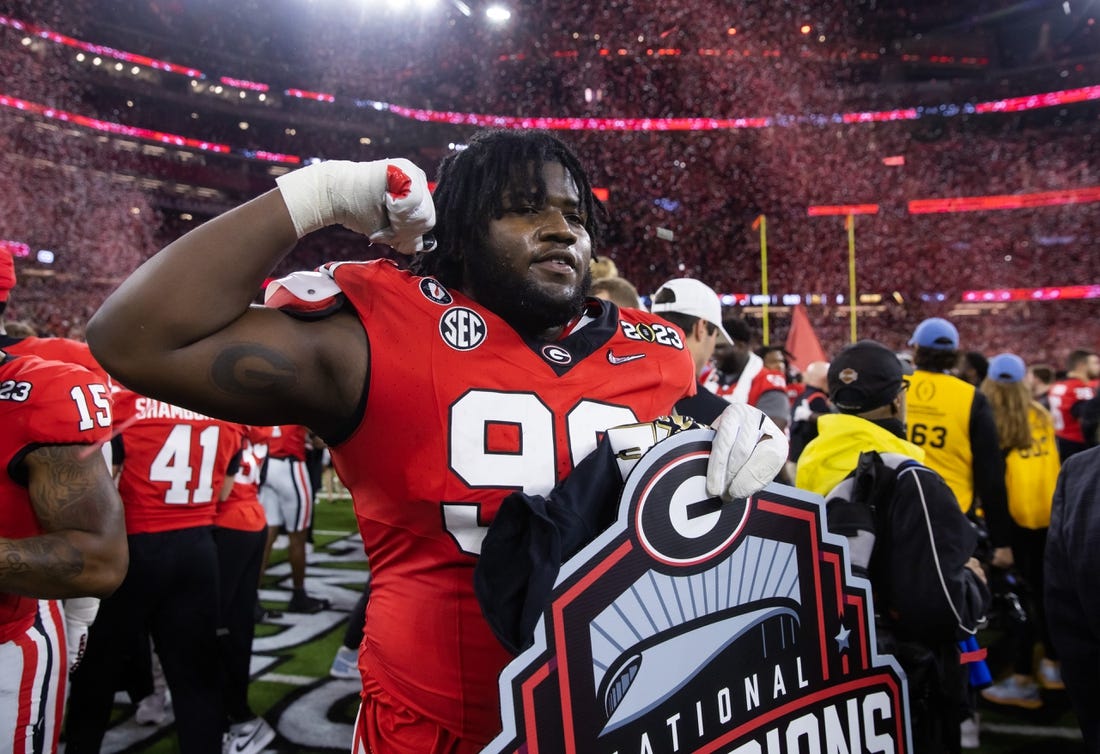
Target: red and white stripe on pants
column 286, row 494
column 33, row 669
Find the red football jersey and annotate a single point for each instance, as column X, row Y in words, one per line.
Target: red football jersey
column 460, row 411
column 58, row 349
column 762, row 382
column 287, row 441
column 41, row 403
column 241, row 509
column 1063, row 396
column 174, row 463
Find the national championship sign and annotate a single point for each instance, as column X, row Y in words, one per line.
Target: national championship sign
column 693, row 626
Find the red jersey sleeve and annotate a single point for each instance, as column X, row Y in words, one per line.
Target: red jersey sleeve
column 41, row 403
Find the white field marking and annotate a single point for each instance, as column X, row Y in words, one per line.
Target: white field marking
column 1033, row 730
column 288, row 679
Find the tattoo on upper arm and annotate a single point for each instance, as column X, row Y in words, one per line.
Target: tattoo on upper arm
column 243, row 369
column 71, row 489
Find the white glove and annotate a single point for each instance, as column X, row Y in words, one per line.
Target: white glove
column 387, row 200
column 80, row 613
column 802, row 412
column 747, row 452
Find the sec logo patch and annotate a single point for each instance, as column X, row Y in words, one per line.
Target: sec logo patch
column 462, row 329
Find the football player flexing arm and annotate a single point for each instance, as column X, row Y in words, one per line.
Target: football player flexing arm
column 482, row 369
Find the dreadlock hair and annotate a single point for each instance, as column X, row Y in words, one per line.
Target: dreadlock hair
column 470, row 189
column 1012, row 408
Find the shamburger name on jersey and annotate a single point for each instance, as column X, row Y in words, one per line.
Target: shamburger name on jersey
column 695, row 626
column 150, row 408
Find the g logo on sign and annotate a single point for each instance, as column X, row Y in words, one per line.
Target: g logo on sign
column 677, row 523
column 462, row 329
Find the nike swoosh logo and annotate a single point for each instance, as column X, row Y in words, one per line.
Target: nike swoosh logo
column 613, row 359
column 247, row 744
column 260, row 736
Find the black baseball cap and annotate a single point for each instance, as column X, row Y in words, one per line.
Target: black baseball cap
column 864, row 376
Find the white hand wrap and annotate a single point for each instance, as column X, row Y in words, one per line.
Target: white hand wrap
column 387, row 200
column 80, row 613
column 747, row 452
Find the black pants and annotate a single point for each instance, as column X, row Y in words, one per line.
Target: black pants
column 937, row 691
column 1028, row 550
column 240, row 556
column 171, row 593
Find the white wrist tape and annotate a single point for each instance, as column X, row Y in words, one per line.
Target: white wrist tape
column 80, row 614
column 387, row 200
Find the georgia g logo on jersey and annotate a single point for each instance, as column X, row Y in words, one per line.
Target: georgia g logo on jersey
column 462, row 329
column 556, row 354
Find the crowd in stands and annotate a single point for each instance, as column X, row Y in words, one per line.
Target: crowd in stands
column 103, row 208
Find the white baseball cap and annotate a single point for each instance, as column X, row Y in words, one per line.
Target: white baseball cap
column 691, row 297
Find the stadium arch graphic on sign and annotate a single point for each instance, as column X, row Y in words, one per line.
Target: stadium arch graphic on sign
column 693, row 626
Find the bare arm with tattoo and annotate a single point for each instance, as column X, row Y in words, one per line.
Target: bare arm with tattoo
column 182, row 328
column 83, row 550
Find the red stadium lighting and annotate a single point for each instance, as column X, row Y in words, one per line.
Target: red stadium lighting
column 1034, row 101
column 881, row 116
column 1054, row 293
column 265, row 156
column 825, row 210
column 895, row 161
column 1004, row 201
column 110, row 52
column 580, row 124
column 303, row 94
column 114, row 128
column 254, row 86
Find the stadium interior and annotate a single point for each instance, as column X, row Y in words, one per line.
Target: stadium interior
column 951, row 149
